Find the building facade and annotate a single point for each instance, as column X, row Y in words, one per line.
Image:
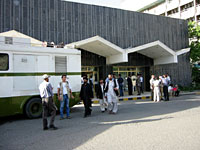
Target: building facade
column 183, row 9
column 110, row 40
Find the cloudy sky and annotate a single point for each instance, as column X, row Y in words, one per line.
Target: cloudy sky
column 122, row 4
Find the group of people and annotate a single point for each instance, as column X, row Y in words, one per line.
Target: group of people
column 135, row 83
column 162, row 86
column 52, row 44
column 46, row 93
column 107, row 93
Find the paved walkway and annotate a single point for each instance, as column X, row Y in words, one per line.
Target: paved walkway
column 138, row 125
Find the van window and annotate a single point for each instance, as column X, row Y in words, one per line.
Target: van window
column 60, row 64
column 4, row 62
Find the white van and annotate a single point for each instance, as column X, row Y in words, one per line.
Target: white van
column 21, row 70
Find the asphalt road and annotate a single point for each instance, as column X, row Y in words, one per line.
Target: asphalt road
column 140, row 125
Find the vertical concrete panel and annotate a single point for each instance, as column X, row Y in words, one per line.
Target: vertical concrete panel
column 1, row 13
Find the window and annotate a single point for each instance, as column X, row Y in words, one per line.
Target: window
column 187, row 6
column 61, row 64
column 198, row 18
column 173, row 11
column 4, row 62
column 169, row 1
column 8, row 40
column 197, row 2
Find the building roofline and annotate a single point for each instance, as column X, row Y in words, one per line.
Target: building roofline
column 151, row 5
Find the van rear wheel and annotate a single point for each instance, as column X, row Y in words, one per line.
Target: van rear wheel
column 33, row 108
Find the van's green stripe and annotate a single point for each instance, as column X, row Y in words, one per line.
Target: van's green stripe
column 39, row 73
column 15, row 105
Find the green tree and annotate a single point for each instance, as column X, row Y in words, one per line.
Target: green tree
column 194, row 36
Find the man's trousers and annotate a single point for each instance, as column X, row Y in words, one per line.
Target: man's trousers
column 48, row 107
column 166, row 94
column 87, row 105
column 112, row 103
column 103, row 104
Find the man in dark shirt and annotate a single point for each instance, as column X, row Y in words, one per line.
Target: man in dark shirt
column 100, row 94
column 86, row 94
column 129, row 82
column 120, row 82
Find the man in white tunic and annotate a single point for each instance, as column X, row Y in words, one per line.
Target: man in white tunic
column 156, row 85
column 111, row 91
column 151, row 86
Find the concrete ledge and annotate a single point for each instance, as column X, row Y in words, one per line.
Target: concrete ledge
column 126, row 98
column 96, row 101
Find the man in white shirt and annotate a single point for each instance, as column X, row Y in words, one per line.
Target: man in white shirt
column 64, row 93
column 134, row 78
column 168, row 78
column 46, row 93
column 111, row 90
column 151, row 86
column 156, row 85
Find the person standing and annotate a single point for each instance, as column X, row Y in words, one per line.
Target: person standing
column 111, row 88
column 165, row 83
column 156, row 85
column 90, row 81
column 129, row 83
column 168, row 78
column 151, row 86
column 101, row 95
column 64, row 93
column 46, row 93
column 142, row 83
column 161, row 87
column 134, row 78
column 120, row 82
column 86, row 94
column 138, row 84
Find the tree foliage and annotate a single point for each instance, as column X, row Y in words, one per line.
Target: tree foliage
column 194, row 35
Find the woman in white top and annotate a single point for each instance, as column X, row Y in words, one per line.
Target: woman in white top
column 156, row 85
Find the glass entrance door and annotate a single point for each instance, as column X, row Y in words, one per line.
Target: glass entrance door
column 92, row 74
column 126, row 70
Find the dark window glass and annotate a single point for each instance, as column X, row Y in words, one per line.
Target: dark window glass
column 4, row 62
column 8, row 40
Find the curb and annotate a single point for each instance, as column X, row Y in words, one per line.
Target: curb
column 96, row 101
column 134, row 98
column 126, row 99
column 190, row 93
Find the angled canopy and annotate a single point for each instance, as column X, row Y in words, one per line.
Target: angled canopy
column 100, row 46
column 158, row 51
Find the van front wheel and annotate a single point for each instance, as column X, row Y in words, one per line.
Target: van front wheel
column 33, row 108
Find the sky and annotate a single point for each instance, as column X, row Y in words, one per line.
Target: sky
column 122, row 4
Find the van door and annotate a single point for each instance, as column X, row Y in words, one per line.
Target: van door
column 24, row 73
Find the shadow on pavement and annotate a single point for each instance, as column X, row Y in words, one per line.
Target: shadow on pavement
column 74, row 132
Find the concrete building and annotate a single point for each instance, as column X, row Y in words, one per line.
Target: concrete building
column 110, row 40
column 183, row 9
